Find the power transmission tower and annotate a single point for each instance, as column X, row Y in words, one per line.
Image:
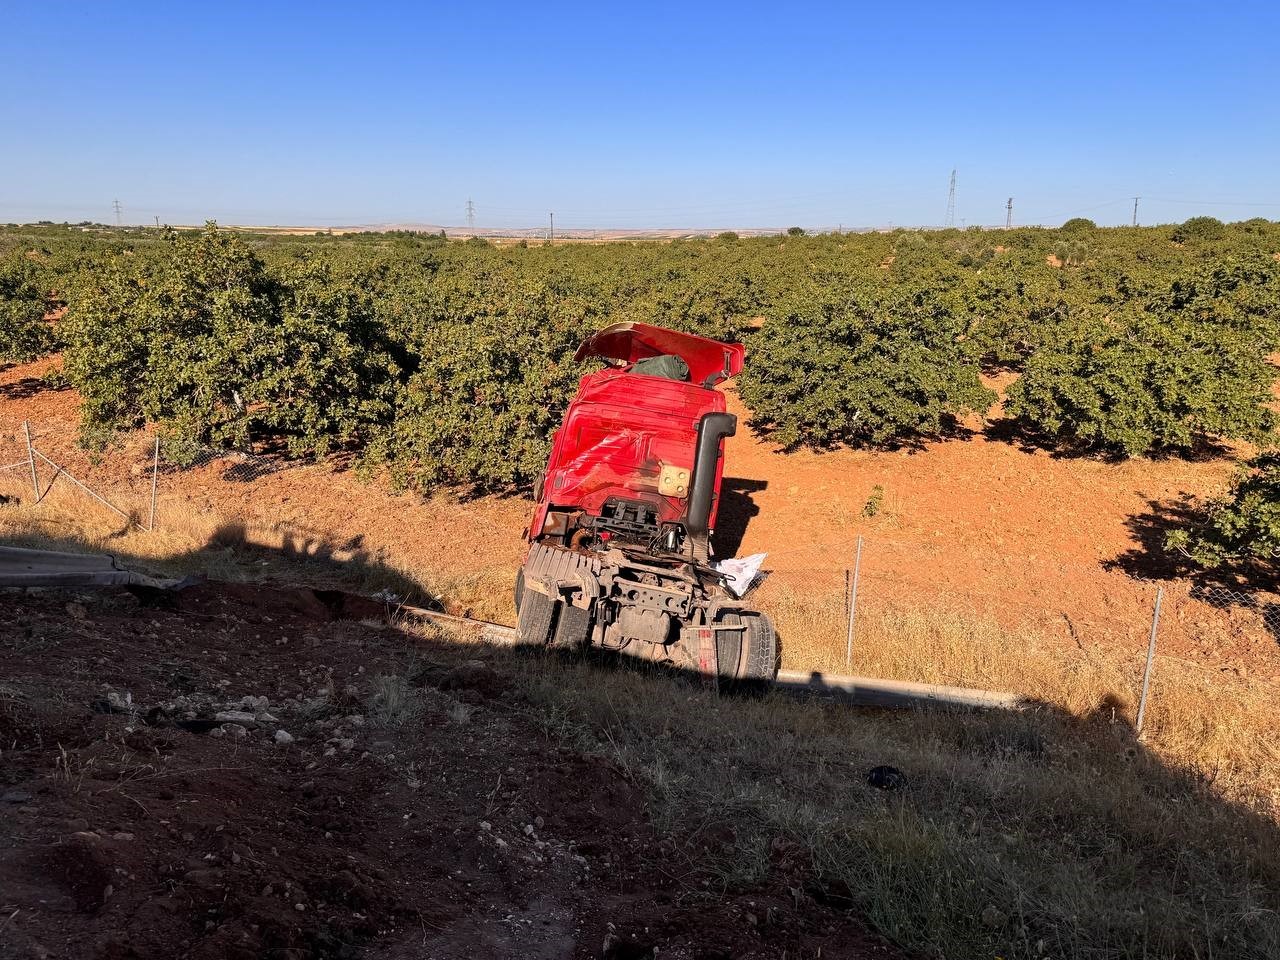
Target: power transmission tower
column 951, row 203
column 471, row 214
column 116, row 204
column 1135, row 210
column 551, row 234
column 157, row 222
column 1008, row 214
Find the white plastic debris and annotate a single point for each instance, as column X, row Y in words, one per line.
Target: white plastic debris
column 740, row 573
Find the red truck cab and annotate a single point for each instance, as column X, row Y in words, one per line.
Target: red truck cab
column 627, row 449
column 619, row 551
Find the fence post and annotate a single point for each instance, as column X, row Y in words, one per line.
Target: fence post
column 853, row 607
column 31, row 458
column 155, row 472
column 1151, row 656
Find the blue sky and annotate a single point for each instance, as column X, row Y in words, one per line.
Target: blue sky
column 638, row 115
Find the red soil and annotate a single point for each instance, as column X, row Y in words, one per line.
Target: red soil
column 132, row 825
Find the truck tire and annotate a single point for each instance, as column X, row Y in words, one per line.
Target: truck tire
column 747, row 656
column 536, row 620
column 573, row 627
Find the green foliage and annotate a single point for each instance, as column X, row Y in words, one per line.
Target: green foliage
column 1258, row 225
column 875, row 502
column 1199, row 228
column 446, row 361
column 488, row 392
column 24, row 332
column 1071, row 253
column 1240, row 292
column 795, row 231
column 211, row 344
column 1243, row 526
column 1136, row 382
column 181, row 340
column 1079, row 225
column 870, row 368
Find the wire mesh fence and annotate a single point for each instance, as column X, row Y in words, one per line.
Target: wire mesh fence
column 129, row 480
column 1061, row 624
column 236, row 466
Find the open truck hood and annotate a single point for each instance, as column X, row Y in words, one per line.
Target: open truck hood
column 710, row 361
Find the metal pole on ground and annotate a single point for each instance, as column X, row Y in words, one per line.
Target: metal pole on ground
column 853, row 607
column 155, row 473
column 1151, row 656
column 31, row 459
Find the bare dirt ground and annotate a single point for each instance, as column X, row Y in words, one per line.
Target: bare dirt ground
column 977, row 523
column 247, row 773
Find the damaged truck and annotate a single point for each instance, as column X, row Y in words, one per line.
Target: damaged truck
column 619, row 550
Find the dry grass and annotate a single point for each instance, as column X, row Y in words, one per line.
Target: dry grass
column 200, row 543
column 206, row 543
column 1030, row 834
column 1223, row 727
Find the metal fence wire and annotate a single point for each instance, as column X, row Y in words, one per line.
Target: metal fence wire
column 42, row 456
column 236, row 466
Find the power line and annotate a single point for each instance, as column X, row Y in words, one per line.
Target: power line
column 1219, row 203
column 471, row 214
column 951, row 202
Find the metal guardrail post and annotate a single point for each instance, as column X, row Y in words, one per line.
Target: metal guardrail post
column 31, row 459
column 1151, row 656
column 853, row 607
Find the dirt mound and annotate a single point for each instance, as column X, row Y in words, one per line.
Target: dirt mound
column 251, row 773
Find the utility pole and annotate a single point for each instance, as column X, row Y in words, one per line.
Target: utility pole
column 471, row 214
column 551, row 234
column 1135, row 210
column 116, row 204
column 1008, row 214
column 951, row 202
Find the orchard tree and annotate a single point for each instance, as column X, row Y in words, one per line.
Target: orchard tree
column 25, row 334
column 1134, row 383
column 1199, row 229
column 868, row 368
column 184, row 340
column 488, row 391
column 1241, row 527
column 1079, row 225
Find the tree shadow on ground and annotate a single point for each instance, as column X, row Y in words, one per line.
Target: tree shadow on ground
column 1024, row 435
column 1150, row 559
column 232, row 553
column 950, row 427
column 29, row 387
column 737, row 508
column 1247, row 586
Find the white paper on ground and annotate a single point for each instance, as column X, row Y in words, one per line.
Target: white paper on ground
column 741, row 572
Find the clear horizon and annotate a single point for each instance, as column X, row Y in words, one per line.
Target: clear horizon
column 720, row 117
